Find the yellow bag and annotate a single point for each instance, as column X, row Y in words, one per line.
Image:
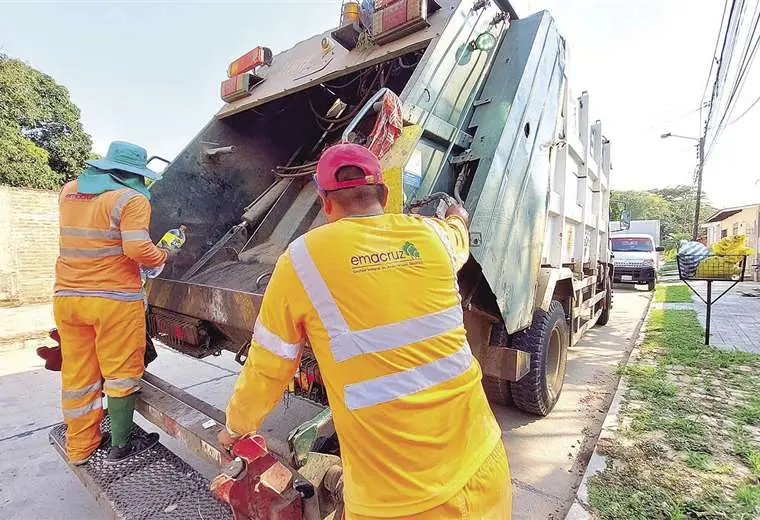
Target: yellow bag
column 724, row 267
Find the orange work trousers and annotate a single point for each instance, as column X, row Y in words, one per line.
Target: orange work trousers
column 486, row 496
column 103, row 347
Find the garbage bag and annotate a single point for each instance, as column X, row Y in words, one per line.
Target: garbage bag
column 726, row 258
column 690, row 254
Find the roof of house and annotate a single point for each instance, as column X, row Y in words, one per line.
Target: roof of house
column 723, row 214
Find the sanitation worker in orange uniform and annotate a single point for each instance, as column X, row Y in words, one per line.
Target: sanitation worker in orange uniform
column 376, row 297
column 98, row 303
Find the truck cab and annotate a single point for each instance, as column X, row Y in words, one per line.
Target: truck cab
column 635, row 259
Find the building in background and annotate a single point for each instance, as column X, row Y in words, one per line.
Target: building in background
column 740, row 220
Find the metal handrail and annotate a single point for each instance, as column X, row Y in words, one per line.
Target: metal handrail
column 363, row 112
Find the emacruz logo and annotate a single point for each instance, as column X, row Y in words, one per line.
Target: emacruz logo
column 408, row 253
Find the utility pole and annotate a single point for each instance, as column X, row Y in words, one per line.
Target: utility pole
column 700, row 168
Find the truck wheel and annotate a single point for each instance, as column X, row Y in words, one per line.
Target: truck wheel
column 497, row 390
column 546, row 340
column 650, row 285
column 604, row 317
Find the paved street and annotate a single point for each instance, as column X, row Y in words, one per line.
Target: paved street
column 734, row 322
column 547, row 456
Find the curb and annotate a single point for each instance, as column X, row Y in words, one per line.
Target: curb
column 580, row 509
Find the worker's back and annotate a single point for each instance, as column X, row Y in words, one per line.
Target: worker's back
column 96, row 251
column 378, row 299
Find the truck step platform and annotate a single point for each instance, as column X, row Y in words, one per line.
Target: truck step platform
column 154, row 485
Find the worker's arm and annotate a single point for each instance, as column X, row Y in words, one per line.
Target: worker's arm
column 135, row 219
column 276, row 349
column 453, row 229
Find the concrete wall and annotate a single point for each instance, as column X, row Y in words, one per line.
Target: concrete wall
column 28, row 244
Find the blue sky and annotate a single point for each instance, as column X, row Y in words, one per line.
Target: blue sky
column 149, row 72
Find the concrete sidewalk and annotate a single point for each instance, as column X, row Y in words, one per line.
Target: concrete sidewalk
column 25, row 323
column 735, row 318
column 35, row 482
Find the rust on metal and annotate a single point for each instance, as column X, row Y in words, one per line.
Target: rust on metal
column 237, row 309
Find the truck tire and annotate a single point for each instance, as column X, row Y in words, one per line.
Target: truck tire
column 547, row 341
column 604, row 317
column 650, row 285
column 497, row 390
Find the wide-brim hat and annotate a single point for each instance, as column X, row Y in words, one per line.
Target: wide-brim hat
column 126, row 157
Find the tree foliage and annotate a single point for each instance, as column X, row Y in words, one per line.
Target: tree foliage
column 42, row 142
column 672, row 206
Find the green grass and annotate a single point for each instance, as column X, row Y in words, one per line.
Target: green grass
column 698, row 460
column 749, row 496
column 673, row 293
column 684, row 449
column 749, row 413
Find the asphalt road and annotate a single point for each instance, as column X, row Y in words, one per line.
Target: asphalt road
column 547, row 456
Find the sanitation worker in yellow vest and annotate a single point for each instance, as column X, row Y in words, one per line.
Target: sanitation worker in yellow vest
column 98, row 304
column 376, row 297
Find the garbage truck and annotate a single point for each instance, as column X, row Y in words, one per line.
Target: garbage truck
column 487, row 116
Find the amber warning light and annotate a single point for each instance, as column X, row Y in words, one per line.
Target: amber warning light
column 249, row 61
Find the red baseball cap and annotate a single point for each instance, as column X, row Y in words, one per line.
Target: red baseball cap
column 347, row 154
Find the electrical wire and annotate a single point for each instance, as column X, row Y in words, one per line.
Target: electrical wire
column 724, row 60
column 745, row 64
column 713, row 60
column 750, row 107
column 749, row 51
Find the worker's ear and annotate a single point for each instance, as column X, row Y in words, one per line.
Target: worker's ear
column 385, row 195
column 327, row 204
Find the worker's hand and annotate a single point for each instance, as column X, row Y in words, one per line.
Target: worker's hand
column 459, row 211
column 226, row 439
column 171, row 254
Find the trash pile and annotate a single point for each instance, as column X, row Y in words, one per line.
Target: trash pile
column 723, row 261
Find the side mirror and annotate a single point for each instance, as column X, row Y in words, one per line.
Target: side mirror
column 659, row 249
column 625, row 219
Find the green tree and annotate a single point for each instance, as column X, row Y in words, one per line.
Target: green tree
column 643, row 205
column 672, row 206
column 23, row 163
column 42, row 142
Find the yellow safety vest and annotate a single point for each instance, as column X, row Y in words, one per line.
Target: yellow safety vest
column 377, row 299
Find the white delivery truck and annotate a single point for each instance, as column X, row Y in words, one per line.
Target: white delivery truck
column 635, row 259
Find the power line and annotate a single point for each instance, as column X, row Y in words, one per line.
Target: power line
column 713, row 60
column 745, row 63
column 755, row 102
column 724, row 60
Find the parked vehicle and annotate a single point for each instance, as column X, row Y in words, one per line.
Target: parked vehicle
column 636, row 259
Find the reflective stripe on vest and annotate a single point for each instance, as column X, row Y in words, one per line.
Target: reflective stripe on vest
column 139, row 234
column 98, row 252
column 118, row 207
column 124, row 296
column 106, row 234
column 446, row 243
column 274, row 344
column 393, row 386
column 346, row 343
